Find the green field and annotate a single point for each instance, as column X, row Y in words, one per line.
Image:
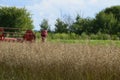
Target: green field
column 93, row 42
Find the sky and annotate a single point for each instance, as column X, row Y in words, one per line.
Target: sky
column 53, row 9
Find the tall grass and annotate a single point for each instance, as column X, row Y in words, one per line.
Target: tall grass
column 58, row 61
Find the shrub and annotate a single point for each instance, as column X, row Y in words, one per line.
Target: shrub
column 100, row 36
column 63, row 36
column 93, row 36
column 84, row 36
column 37, row 35
column 114, row 37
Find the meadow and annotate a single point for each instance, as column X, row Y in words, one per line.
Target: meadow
column 60, row 61
column 89, row 42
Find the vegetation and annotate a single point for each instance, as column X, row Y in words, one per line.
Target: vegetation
column 89, row 42
column 58, row 61
column 61, row 27
column 44, row 24
column 107, row 21
column 15, row 18
column 106, row 25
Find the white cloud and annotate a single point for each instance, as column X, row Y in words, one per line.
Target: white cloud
column 93, row 1
column 52, row 9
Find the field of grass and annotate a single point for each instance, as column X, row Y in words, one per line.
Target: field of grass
column 91, row 42
column 59, row 61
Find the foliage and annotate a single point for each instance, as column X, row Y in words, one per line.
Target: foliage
column 77, row 27
column 44, row 24
column 64, row 36
column 106, row 25
column 84, row 36
column 60, row 26
column 115, row 10
column 107, row 21
column 15, row 18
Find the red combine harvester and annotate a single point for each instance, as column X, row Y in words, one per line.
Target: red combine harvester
column 11, row 36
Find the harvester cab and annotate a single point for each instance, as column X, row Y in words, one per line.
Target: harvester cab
column 29, row 36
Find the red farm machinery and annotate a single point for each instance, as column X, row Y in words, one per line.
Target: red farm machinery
column 16, row 35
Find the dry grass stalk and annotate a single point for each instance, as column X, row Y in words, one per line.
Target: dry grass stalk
column 57, row 61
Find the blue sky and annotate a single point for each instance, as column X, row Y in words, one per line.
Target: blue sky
column 52, row 9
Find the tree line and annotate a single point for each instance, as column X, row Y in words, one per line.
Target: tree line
column 106, row 23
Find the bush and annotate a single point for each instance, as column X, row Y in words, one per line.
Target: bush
column 74, row 36
column 60, row 36
column 118, row 34
column 114, row 37
column 63, row 36
column 100, row 36
column 104, row 36
column 93, row 36
column 84, row 36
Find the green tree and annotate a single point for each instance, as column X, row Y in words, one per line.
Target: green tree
column 61, row 27
column 115, row 10
column 44, row 25
column 82, row 25
column 68, row 21
column 15, row 18
column 77, row 26
column 108, row 20
column 87, row 25
column 105, row 23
